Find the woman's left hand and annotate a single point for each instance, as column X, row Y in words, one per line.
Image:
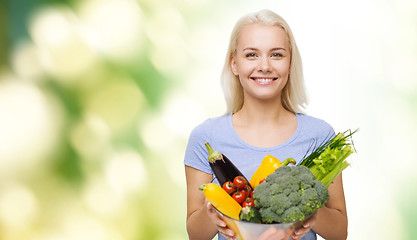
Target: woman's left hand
column 305, row 226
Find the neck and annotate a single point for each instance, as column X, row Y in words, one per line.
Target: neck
column 263, row 112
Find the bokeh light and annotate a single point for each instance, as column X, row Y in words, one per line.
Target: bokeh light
column 98, row 97
column 125, row 173
column 64, row 52
column 113, row 27
column 18, row 207
column 26, row 61
column 117, row 103
column 30, row 124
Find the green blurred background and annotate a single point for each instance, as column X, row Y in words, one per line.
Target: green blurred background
column 98, row 97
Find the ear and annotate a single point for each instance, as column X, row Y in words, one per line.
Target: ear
column 233, row 65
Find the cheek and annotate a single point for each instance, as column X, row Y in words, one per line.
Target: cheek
column 289, row 65
column 245, row 68
column 284, row 68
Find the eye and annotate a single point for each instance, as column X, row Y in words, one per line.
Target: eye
column 251, row 55
column 276, row 55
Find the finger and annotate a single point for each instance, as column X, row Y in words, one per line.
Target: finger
column 299, row 233
column 308, row 223
column 209, row 206
column 211, row 210
column 305, row 226
column 310, row 220
column 296, row 235
column 215, row 216
column 227, row 232
column 221, row 225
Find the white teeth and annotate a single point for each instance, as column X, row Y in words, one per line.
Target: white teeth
column 264, row 80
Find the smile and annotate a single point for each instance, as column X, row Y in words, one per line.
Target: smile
column 264, row 81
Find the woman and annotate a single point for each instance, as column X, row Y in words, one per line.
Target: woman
column 263, row 86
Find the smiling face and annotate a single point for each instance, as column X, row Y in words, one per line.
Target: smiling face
column 262, row 61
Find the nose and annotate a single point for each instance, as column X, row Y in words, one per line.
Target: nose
column 264, row 64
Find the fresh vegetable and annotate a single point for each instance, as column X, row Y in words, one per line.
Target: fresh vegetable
column 222, row 167
column 239, row 196
column 247, row 190
column 229, row 187
column 240, row 182
column 268, row 165
column 250, row 214
column 248, row 202
column 221, row 200
column 289, row 194
column 240, row 191
column 329, row 159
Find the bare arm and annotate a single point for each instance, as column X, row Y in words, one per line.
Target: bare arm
column 332, row 219
column 199, row 224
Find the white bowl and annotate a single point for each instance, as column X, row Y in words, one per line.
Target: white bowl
column 258, row 231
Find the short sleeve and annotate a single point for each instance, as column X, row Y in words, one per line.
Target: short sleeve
column 196, row 155
column 318, row 130
column 325, row 133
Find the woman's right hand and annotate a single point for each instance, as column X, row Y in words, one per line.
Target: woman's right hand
column 217, row 219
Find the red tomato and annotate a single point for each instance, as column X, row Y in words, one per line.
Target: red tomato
column 251, row 194
column 229, row 187
column 240, row 182
column 239, row 196
column 247, row 190
column 248, row 202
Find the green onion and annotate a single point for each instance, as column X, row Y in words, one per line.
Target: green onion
column 329, row 159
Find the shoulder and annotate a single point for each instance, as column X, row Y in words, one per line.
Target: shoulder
column 196, row 152
column 205, row 126
column 316, row 126
column 314, row 122
column 204, row 129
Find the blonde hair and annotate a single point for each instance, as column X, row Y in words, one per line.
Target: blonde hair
column 294, row 96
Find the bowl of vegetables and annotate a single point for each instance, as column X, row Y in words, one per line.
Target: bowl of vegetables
column 278, row 197
column 274, row 208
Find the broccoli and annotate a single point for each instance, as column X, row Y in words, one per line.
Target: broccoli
column 310, row 201
column 269, row 216
column 292, row 214
column 321, row 190
column 289, row 194
column 250, row 214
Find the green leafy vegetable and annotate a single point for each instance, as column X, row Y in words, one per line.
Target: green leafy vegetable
column 329, row 159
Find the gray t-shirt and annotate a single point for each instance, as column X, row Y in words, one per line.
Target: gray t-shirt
column 219, row 133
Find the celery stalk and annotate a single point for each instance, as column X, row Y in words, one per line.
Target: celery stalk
column 329, row 159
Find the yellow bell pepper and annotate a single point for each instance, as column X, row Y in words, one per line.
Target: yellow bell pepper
column 268, row 165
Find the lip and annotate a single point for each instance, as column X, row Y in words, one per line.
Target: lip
column 264, row 80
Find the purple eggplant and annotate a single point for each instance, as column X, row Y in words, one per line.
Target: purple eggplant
column 223, row 169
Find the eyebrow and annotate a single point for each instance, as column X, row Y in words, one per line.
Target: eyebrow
column 255, row 49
